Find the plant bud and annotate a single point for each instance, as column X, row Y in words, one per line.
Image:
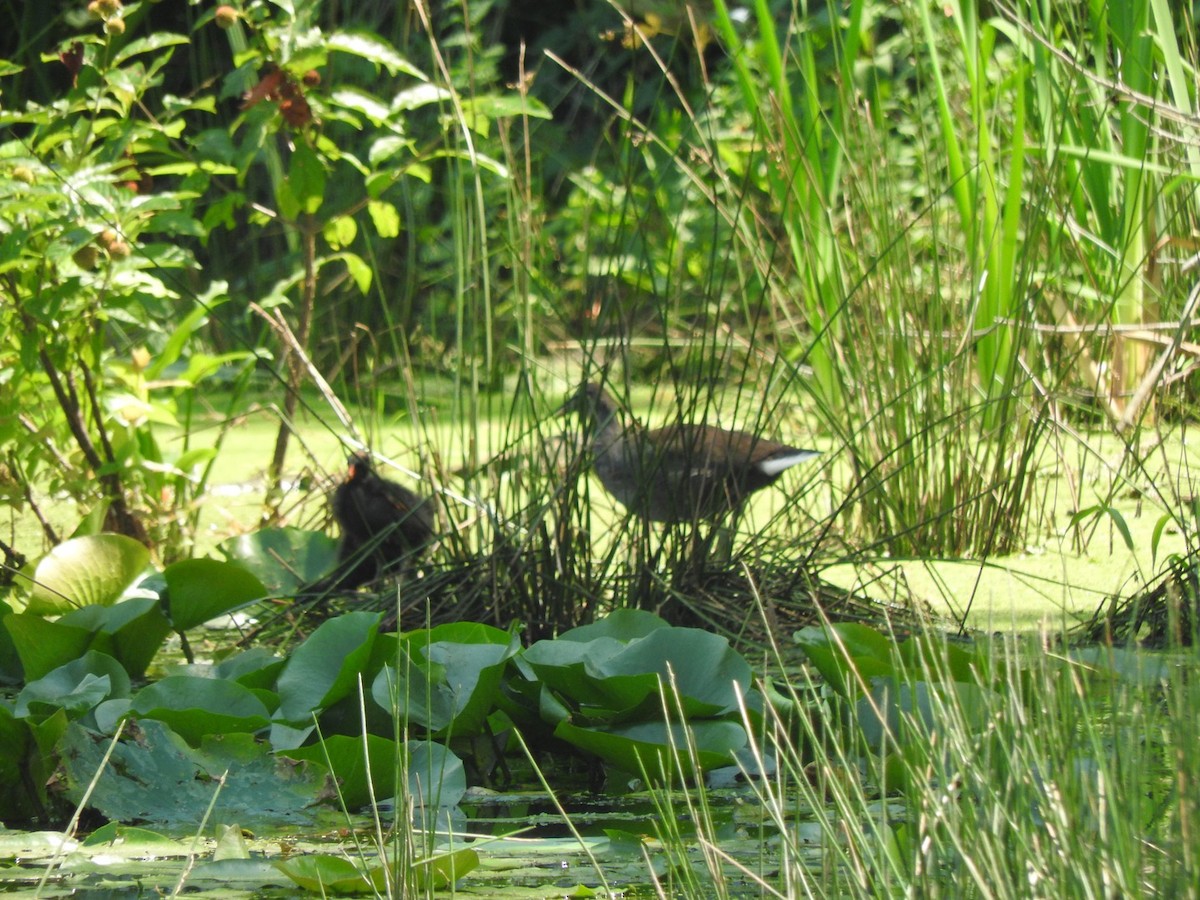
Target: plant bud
column 86, row 257
column 226, row 17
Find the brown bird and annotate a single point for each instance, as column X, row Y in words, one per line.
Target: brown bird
column 383, row 524
column 680, row 473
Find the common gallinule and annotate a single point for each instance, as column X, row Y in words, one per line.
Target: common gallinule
column 383, row 524
column 680, row 473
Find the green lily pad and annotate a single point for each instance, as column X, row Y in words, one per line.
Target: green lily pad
column 622, row 625
column 132, row 631
column 76, row 687
column 431, row 769
column 202, row 589
column 257, row 667
column 324, row 875
column 349, row 759
column 325, row 668
column 93, row 570
column 447, row 679
column 657, row 749
column 42, row 645
column 283, row 559
column 847, row 655
column 613, row 680
column 436, row 777
column 194, row 707
column 908, row 713
column 440, row 872
column 257, row 789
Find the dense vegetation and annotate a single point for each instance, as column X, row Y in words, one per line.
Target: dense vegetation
column 952, row 245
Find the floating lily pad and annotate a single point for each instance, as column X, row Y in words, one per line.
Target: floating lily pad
column 657, row 749
column 257, row 789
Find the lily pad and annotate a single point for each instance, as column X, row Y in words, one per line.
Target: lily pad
column 194, row 707
column 657, row 749
column 76, row 687
column 447, row 679
column 257, row 789
column 613, row 680
column 283, row 559
column 93, row 570
column 132, row 631
column 42, row 645
column 325, row 668
column 847, row 655
column 202, row 589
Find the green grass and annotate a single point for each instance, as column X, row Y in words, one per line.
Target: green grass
column 1042, row 774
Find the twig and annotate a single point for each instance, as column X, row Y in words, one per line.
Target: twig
column 279, row 325
column 1151, row 378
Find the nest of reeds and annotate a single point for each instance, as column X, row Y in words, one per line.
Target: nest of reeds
column 547, row 593
column 1161, row 614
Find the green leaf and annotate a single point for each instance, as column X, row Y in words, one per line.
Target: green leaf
column 340, row 232
column 194, row 707
column 76, row 687
column 259, row 790
column 131, row 631
column 436, row 776
column 498, row 106
column 658, row 749
column 42, row 645
column 418, row 96
column 325, row 667
column 447, row 679
column 610, row 678
column 1163, row 521
column 283, row 559
column 847, row 655
column 156, row 41
column 914, row 713
column 441, row 872
column 202, row 589
column 361, row 102
column 86, row 571
column 306, row 179
column 370, row 47
column 621, row 625
column 22, row 792
column 347, row 759
column 324, row 875
column 359, row 270
column 173, row 349
column 384, row 217
column 257, row 667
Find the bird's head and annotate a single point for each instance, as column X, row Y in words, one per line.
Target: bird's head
column 358, row 467
column 591, row 401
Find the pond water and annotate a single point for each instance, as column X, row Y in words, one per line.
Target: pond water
column 524, row 844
